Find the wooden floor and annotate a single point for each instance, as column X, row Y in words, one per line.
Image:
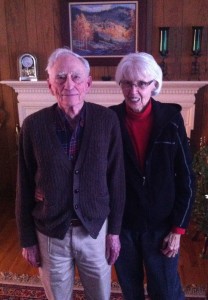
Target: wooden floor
column 192, row 268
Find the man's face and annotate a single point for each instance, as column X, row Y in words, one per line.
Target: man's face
column 69, row 82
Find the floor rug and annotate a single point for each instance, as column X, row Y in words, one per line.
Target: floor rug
column 25, row 287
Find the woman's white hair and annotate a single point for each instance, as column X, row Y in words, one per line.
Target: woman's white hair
column 65, row 52
column 139, row 66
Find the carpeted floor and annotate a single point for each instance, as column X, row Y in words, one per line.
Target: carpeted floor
column 30, row 292
column 24, row 287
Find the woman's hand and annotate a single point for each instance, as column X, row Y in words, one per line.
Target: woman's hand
column 171, row 244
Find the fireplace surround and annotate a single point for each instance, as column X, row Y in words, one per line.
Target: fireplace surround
column 32, row 96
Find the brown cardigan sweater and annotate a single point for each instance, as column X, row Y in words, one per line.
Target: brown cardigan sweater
column 48, row 186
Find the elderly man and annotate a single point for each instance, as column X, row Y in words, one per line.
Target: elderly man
column 70, row 188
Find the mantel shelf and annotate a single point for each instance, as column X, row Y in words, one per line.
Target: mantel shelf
column 34, row 95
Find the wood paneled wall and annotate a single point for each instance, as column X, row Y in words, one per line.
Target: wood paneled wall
column 34, row 26
column 180, row 16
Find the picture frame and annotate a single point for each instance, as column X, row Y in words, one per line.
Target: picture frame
column 103, row 32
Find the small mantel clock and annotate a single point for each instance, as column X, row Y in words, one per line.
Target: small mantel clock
column 27, row 64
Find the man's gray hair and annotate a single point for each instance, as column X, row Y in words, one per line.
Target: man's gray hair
column 65, row 52
column 137, row 66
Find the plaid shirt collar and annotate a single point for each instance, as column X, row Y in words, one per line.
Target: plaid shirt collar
column 70, row 132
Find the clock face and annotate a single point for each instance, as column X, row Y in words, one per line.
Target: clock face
column 27, row 61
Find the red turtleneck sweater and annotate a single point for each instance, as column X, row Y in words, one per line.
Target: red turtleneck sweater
column 139, row 125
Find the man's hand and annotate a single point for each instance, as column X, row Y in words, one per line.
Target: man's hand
column 32, row 255
column 113, row 247
column 171, row 244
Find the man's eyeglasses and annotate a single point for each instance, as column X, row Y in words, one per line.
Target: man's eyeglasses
column 62, row 77
column 138, row 84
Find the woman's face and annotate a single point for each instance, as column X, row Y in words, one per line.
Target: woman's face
column 137, row 94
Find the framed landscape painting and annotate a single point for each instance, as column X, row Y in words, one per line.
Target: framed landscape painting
column 103, row 29
column 104, row 32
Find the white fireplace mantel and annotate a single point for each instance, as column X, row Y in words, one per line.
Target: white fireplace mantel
column 34, row 95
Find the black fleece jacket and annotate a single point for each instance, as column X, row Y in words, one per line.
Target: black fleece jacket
column 162, row 196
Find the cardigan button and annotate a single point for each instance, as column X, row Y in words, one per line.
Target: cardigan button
column 76, row 171
column 76, row 191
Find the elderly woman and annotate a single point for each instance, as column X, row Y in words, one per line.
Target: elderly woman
column 159, row 182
